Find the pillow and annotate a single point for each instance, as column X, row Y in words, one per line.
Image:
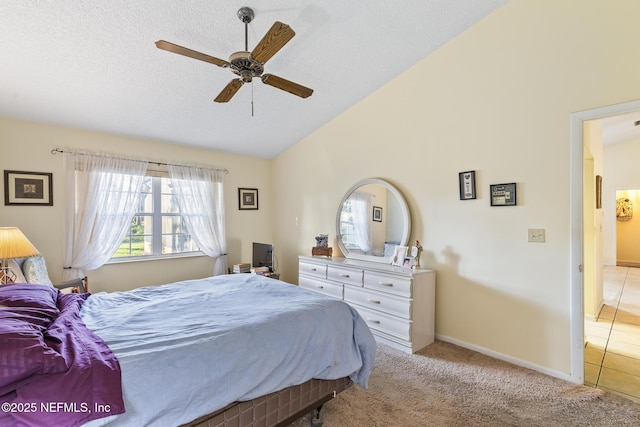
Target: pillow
column 29, row 295
column 15, row 267
column 35, row 271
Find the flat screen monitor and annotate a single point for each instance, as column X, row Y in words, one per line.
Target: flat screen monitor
column 262, row 255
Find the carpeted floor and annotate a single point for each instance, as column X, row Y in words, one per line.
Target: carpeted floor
column 446, row 385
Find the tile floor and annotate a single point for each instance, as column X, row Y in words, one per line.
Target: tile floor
column 612, row 349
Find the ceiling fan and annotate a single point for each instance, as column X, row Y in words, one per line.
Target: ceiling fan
column 245, row 64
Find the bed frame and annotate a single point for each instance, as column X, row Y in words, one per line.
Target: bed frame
column 279, row 408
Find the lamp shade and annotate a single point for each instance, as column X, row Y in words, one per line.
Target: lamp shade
column 14, row 244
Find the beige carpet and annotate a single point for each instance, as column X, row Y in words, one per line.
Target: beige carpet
column 446, row 385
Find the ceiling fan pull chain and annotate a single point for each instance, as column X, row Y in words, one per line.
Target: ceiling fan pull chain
column 251, row 98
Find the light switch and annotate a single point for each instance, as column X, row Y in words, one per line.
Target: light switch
column 536, row 235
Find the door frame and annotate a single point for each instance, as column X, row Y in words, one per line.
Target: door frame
column 576, row 257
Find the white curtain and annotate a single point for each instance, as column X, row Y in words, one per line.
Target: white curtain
column 199, row 192
column 361, row 208
column 102, row 195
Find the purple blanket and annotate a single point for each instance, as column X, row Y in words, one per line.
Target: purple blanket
column 53, row 369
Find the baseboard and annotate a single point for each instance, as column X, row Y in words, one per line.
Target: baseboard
column 506, row 358
column 625, row 263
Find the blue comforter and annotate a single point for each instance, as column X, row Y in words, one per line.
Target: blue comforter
column 189, row 348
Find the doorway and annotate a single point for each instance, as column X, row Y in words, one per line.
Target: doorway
column 586, row 252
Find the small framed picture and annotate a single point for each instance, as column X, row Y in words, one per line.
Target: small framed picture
column 503, row 194
column 377, row 214
column 598, row 191
column 467, row 183
column 28, row 188
column 407, row 262
column 248, row 199
column 399, row 254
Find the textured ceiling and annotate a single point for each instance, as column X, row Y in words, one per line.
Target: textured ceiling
column 92, row 64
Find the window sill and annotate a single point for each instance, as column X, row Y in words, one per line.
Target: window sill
column 150, row 258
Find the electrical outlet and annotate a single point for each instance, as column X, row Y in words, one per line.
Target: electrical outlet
column 536, row 235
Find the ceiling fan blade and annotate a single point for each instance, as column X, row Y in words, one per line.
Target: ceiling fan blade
column 286, row 85
column 170, row 47
column 229, row 90
column 277, row 36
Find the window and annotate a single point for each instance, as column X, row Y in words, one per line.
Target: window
column 157, row 229
column 347, row 228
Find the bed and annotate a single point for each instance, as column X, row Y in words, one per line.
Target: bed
column 226, row 349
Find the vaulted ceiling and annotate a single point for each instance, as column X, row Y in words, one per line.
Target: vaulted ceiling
column 93, row 64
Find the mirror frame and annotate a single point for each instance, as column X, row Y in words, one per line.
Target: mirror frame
column 403, row 206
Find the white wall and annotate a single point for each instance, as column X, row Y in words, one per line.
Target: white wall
column 620, row 172
column 628, row 232
column 27, row 147
column 497, row 100
column 592, row 220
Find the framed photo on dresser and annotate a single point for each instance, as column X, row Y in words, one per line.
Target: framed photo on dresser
column 399, row 254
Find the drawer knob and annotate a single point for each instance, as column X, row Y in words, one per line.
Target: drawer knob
column 319, row 286
column 313, row 269
column 377, row 322
column 373, row 301
column 386, row 284
column 344, row 275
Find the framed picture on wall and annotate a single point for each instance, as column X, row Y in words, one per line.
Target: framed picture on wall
column 503, row 194
column 467, row 183
column 377, row 214
column 598, row 191
column 248, row 199
column 28, row 188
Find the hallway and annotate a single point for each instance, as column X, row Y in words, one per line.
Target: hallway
column 612, row 349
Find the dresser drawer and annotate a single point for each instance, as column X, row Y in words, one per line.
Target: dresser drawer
column 378, row 321
column 387, row 283
column 312, row 269
column 396, row 306
column 331, row 289
column 349, row 276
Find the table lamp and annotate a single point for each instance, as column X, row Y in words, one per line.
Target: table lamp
column 13, row 244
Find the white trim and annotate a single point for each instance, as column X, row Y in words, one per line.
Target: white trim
column 506, row 358
column 123, row 260
column 576, row 310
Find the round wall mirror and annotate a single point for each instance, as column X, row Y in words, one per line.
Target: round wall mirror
column 373, row 218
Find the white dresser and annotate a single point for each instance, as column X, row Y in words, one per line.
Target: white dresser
column 397, row 303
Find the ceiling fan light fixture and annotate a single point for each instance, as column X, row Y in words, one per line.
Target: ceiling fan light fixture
column 245, row 64
column 245, row 76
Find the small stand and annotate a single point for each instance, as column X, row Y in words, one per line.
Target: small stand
column 317, row 251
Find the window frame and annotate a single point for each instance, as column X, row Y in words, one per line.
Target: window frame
column 157, row 221
column 348, row 238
